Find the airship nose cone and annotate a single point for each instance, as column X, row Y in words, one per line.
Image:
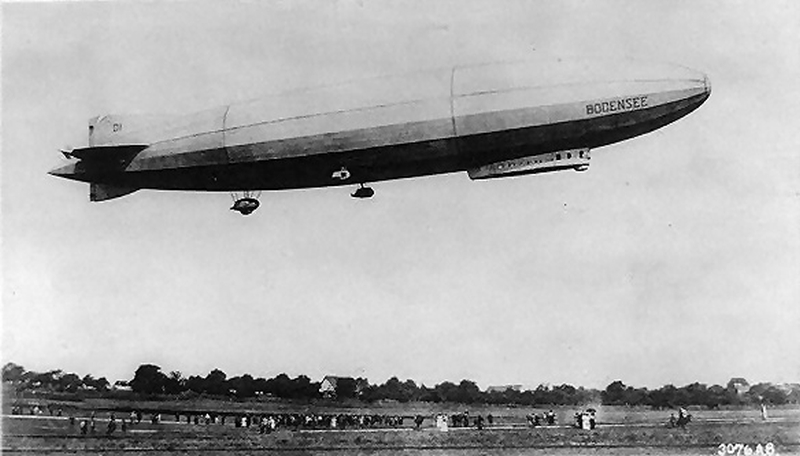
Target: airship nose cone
column 644, row 70
column 670, row 80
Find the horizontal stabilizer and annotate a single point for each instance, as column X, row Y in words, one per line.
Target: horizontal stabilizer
column 122, row 152
column 103, row 192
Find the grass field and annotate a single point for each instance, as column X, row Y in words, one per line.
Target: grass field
column 620, row 430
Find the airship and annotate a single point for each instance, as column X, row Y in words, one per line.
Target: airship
column 490, row 120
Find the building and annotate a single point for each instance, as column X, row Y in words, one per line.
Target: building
column 121, row 385
column 504, row 388
column 739, row 385
column 327, row 387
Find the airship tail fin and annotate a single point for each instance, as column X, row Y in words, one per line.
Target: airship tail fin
column 115, row 129
column 103, row 192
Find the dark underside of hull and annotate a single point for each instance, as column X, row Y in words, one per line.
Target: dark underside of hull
column 409, row 160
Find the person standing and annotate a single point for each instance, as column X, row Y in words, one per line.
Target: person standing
column 112, row 425
column 585, row 421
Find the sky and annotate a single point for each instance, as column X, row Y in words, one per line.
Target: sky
column 674, row 259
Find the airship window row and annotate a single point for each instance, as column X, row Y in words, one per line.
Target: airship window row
column 548, row 158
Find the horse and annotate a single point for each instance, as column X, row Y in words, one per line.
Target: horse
column 683, row 420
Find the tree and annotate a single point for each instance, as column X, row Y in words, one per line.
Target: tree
column 468, row 393
column 13, row 372
column 88, row 382
column 102, row 384
column 48, row 380
column 97, row 384
column 663, row 397
column 196, row 384
column 446, row 392
column 279, row 386
column 774, row 395
column 614, row 393
column 794, row 394
column 636, row 396
column 260, row 385
column 148, row 379
column 541, row 395
column 411, row 391
column 215, row 382
column 393, row 389
column 698, row 393
column 175, row 383
column 716, row 397
column 429, row 394
column 243, row 386
column 69, row 383
column 565, row 395
column 304, row 388
column 345, row 388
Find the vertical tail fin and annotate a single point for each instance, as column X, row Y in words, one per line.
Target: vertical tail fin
column 114, row 129
column 103, row 192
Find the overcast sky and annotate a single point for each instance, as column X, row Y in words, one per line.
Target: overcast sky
column 675, row 258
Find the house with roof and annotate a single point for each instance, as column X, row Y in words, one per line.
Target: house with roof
column 503, row 388
column 327, row 387
column 739, row 385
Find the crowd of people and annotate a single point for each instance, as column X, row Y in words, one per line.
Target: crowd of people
column 89, row 426
column 270, row 422
column 537, row 419
column 265, row 422
column 310, row 421
column 585, row 419
column 461, row 420
column 37, row 410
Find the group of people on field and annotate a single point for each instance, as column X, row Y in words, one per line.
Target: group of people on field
column 295, row 421
column 585, row 419
column 36, row 410
column 537, row 419
column 443, row 421
column 684, row 417
column 89, row 426
column 269, row 422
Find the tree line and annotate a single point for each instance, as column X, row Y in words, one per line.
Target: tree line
column 149, row 380
column 737, row 392
column 54, row 380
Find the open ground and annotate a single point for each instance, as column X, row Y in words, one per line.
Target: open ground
column 620, row 430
